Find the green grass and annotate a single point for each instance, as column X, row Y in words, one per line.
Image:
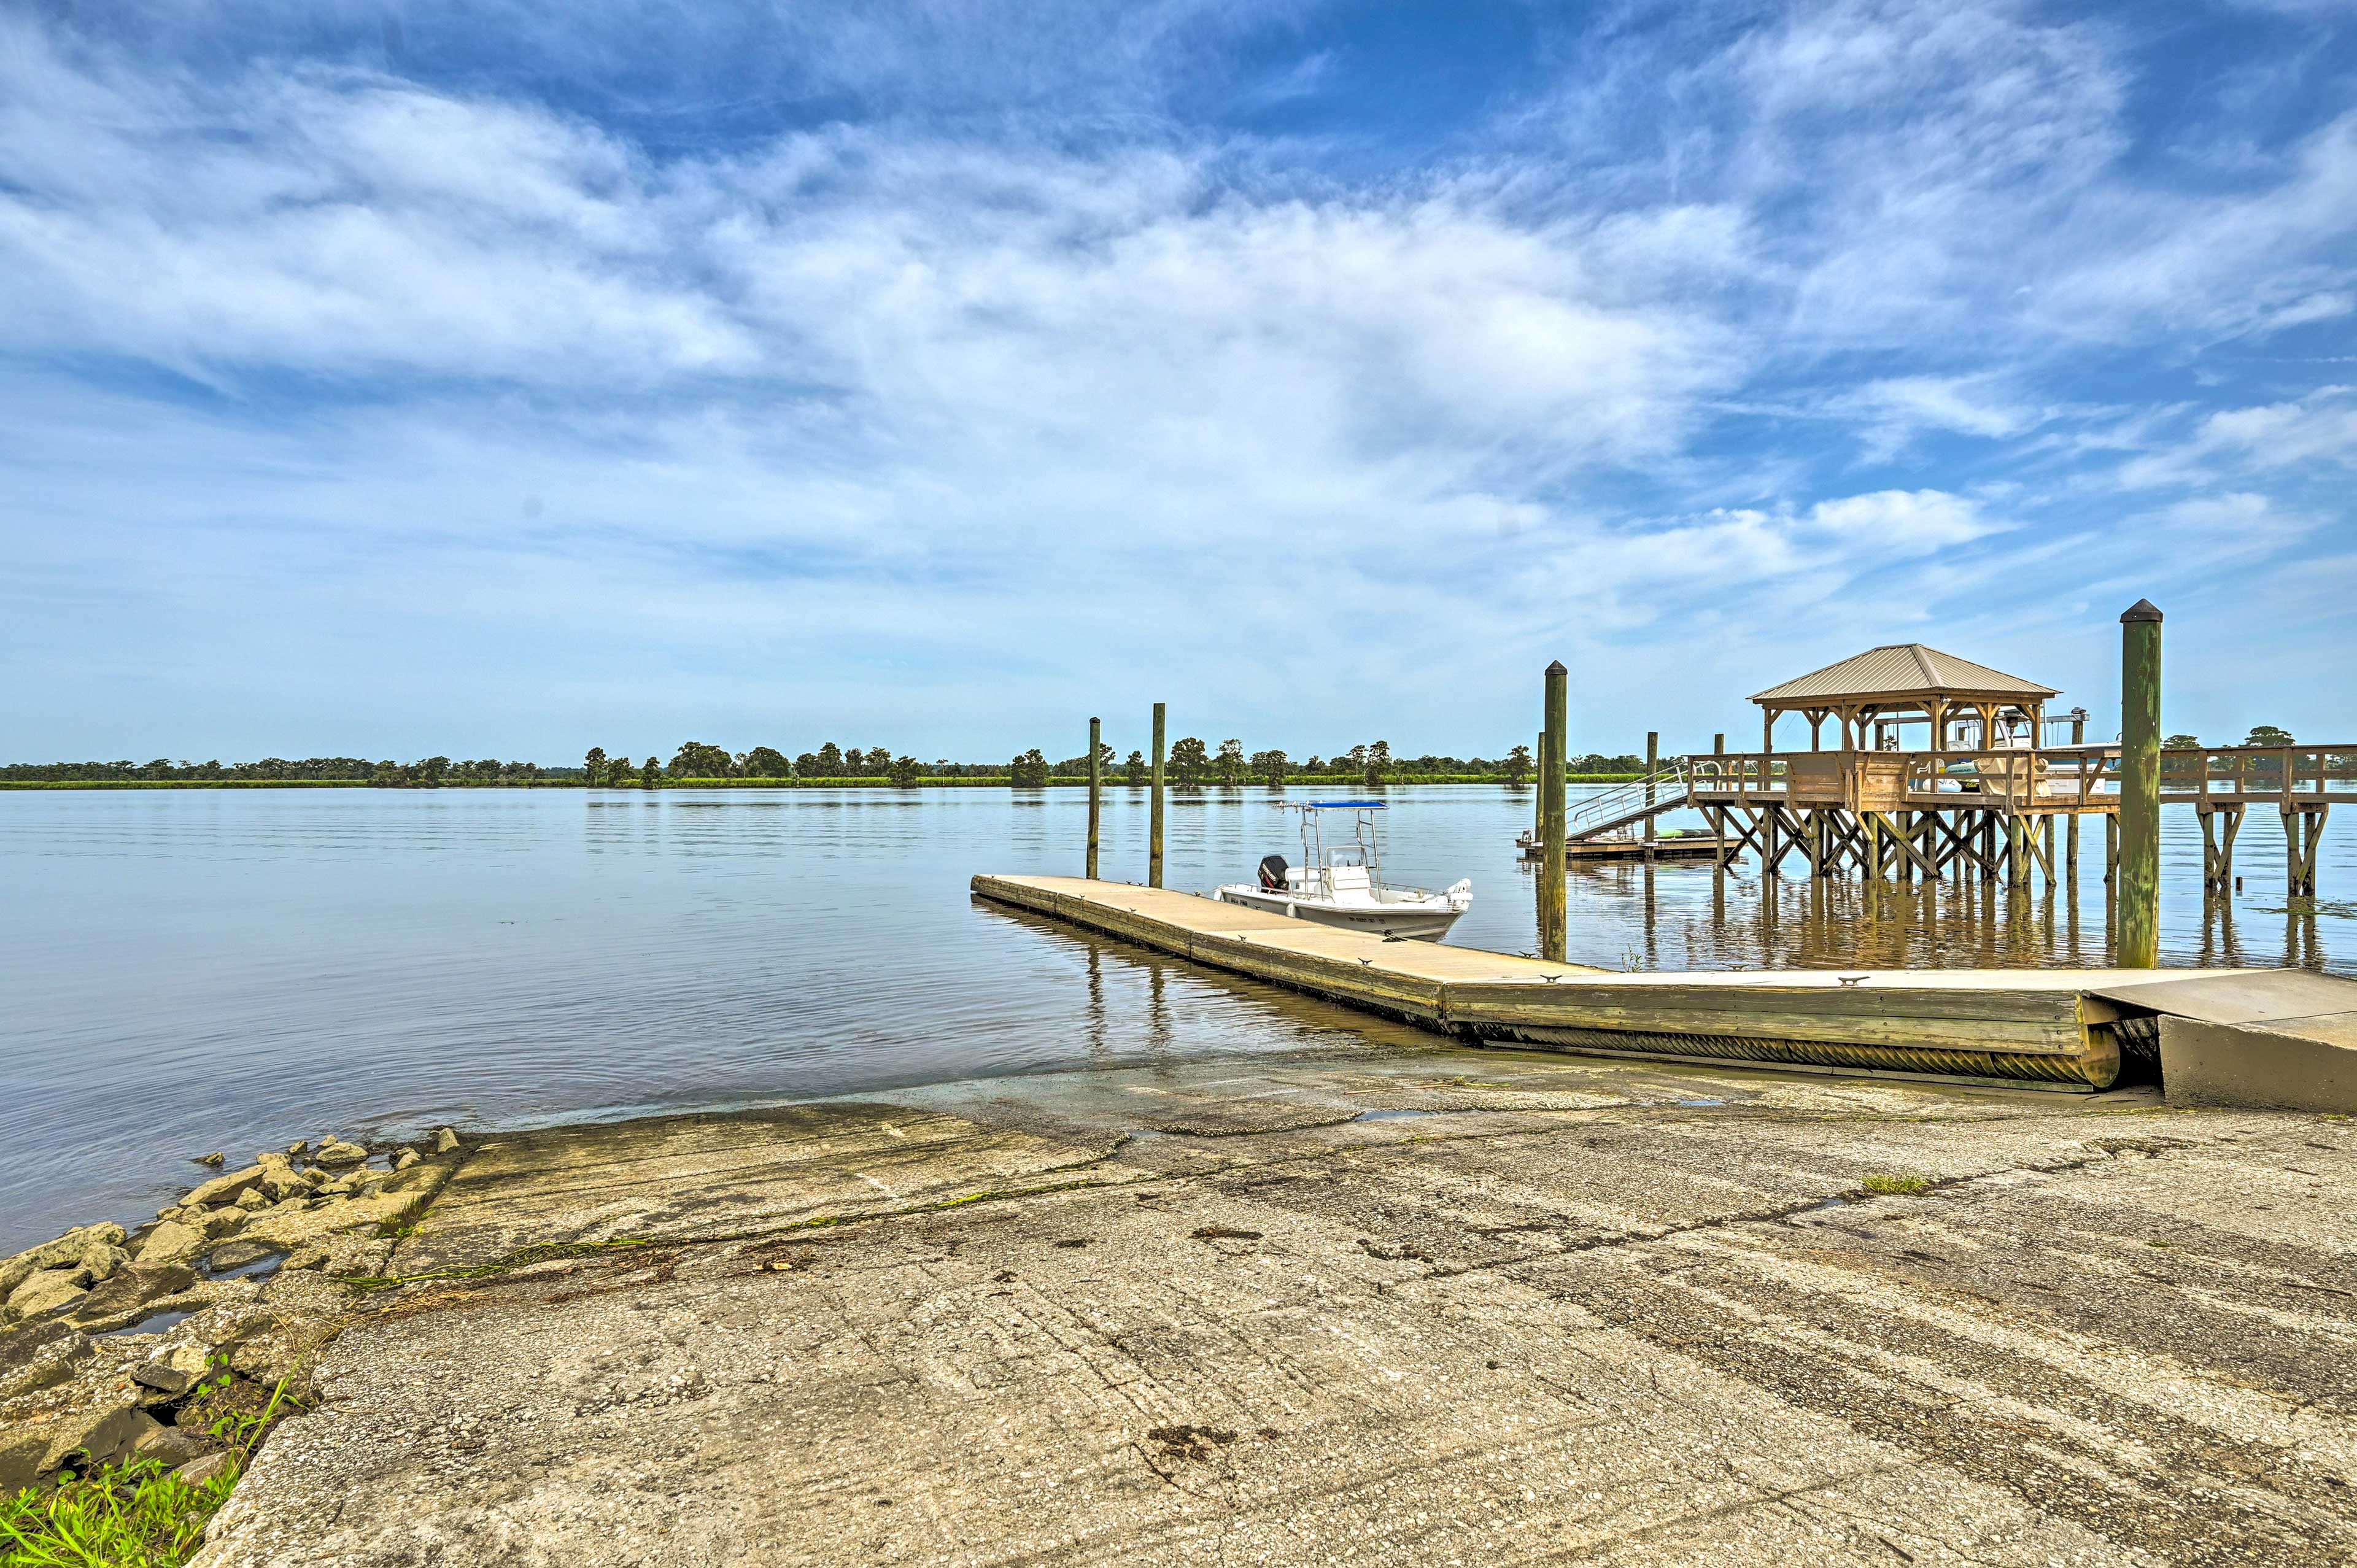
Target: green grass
column 1886, row 1185
column 138, row 1515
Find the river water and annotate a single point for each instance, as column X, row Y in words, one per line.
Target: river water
column 183, row 971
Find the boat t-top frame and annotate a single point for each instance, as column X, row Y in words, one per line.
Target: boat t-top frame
column 1365, row 848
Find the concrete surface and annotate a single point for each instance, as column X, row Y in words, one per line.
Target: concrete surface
column 1405, row 1306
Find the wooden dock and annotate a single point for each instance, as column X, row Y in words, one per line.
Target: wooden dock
column 2059, row 1029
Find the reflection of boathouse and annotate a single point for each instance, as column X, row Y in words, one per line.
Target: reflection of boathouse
column 1937, row 765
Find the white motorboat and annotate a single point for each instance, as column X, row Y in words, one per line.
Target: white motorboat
column 1343, row 885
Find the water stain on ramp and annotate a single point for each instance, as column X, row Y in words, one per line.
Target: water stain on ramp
column 677, row 1178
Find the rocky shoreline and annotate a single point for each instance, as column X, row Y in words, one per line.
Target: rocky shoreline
column 179, row 1342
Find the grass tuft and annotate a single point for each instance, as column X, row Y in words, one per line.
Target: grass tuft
column 138, row 1515
column 1883, row 1185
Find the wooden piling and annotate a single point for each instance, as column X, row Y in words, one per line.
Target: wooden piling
column 2137, row 936
column 1154, row 827
column 2071, row 833
column 1554, row 916
column 1096, row 792
column 1653, row 765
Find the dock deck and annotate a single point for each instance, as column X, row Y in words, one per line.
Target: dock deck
column 2049, row 1028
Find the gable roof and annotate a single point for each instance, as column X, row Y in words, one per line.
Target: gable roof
column 1900, row 670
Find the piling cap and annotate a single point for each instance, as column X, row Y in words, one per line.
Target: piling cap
column 1557, row 669
column 2143, row 609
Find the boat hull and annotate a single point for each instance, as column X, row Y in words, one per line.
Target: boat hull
column 1410, row 922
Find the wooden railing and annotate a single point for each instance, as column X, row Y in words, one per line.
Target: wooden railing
column 2065, row 777
column 2291, row 775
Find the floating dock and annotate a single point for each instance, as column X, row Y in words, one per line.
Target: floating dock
column 2045, row 1028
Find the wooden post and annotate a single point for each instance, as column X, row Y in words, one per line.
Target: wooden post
column 2137, row 936
column 1154, row 824
column 1718, row 816
column 1554, row 914
column 2071, row 834
column 1538, row 800
column 1652, row 763
column 1096, row 790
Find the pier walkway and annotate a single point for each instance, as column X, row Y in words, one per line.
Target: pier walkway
column 2054, row 1029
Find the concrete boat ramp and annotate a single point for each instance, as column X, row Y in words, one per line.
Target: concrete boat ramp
column 2273, row 1038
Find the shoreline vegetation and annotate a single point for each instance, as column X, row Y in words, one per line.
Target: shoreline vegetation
column 985, row 781
column 1190, row 767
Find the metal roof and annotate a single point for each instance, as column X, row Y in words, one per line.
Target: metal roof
column 1900, row 670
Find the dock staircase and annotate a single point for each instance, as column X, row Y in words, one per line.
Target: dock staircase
column 1626, row 805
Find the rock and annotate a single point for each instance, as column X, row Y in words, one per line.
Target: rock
column 49, row 1292
column 223, row 1188
column 216, row 1159
column 445, row 1142
column 101, row 1259
column 196, row 1471
column 40, row 1356
column 345, row 1254
column 336, row 1152
column 189, row 1356
column 237, row 1254
column 107, row 1434
column 253, row 1199
column 163, row 1377
column 295, row 1150
column 173, row 1447
column 170, row 1242
column 68, row 1248
column 221, row 1222
column 123, row 1296
column 282, row 1181
column 315, row 1178
column 111, row 1439
column 406, row 1158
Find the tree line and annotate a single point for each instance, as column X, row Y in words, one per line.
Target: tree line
column 432, row 772
column 1192, row 764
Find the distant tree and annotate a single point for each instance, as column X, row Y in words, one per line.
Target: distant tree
column 1230, row 763
column 1518, row 765
column 1268, row 766
column 806, row 764
column 431, row 773
column 1137, row 769
column 830, row 761
column 2181, row 743
column 2267, row 734
column 697, row 760
column 593, row 766
column 766, row 762
column 1028, row 771
column 1376, row 764
column 904, row 771
column 651, row 776
column 1315, row 763
column 1190, row 762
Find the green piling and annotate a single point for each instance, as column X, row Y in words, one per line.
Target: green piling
column 1554, row 916
column 1153, row 830
column 2137, row 934
column 1096, row 792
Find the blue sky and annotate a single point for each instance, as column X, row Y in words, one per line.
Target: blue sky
column 508, row 379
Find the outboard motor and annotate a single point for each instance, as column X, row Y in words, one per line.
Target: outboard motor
column 1272, row 872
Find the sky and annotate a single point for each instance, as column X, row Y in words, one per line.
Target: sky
column 504, row 379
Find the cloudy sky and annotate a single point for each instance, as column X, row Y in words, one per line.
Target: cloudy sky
column 502, row 379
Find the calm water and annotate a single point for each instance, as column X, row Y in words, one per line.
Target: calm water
column 183, row 971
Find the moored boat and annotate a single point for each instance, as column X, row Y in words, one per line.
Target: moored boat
column 1343, row 887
